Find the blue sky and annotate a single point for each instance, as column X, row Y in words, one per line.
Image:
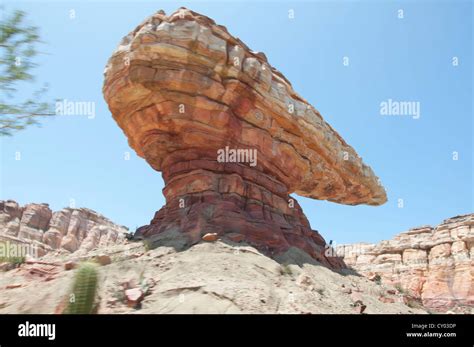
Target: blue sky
column 409, row 59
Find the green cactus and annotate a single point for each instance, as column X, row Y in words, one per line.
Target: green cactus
column 84, row 290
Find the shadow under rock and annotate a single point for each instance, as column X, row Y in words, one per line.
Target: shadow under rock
column 179, row 242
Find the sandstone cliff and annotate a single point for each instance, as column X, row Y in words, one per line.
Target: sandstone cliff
column 433, row 264
column 70, row 229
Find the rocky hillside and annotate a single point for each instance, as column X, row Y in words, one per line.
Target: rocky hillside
column 433, row 264
column 70, row 230
column 210, row 277
column 424, row 266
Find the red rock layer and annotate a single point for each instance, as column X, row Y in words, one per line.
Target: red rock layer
column 204, row 196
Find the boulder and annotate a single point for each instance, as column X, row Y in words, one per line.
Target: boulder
column 210, row 237
column 103, row 259
column 134, row 296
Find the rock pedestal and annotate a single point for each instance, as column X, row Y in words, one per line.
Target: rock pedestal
column 184, row 91
column 204, row 196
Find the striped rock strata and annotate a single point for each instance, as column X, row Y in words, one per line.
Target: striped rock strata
column 183, row 90
column 69, row 230
column 435, row 265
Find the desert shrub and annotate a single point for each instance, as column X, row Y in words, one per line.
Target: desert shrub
column 285, row 270
column 13, row 261
column 378, row 279
column 400, row 289
column 149, row 245
column 413, row 302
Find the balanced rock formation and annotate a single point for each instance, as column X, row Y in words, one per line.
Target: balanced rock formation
column 70, row 229
column 435, row 265
column 230, row 135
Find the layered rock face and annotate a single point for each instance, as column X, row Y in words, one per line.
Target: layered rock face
column 70, row 229
column 435, row 265
column 184, row 91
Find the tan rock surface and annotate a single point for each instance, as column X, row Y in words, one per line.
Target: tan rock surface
column 68, row 230
column 435, row 265
column 207, row 278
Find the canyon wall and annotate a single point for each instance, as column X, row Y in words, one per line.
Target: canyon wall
column 70, row 229
column 432, row 264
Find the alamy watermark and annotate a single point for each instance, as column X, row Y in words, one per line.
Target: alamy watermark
column 12, row 250
column 28, row 329
column 237, row 155
column 400, row 108
column 341, row 251
column 75, row 108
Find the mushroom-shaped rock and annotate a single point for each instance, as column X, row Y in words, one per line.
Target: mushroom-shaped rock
column 231, row 136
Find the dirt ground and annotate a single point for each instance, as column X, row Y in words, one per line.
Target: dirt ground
column 210, row 277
